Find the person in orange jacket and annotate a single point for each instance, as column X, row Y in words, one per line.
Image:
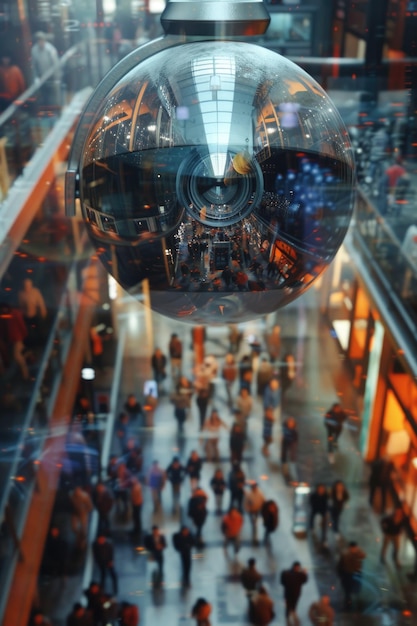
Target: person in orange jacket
column 232, row 524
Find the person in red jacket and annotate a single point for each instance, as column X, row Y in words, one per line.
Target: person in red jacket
column 232, row 524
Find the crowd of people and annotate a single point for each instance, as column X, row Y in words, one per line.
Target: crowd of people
column 220, row 400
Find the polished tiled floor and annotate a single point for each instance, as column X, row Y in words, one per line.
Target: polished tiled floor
column 321, row 379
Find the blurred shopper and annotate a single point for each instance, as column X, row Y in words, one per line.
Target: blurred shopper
column 250, row 578
column 236, row 482
column 159, row 363
column 218, row 485
column 229, row 375
column 267, row 429
column 273, row 343
column 80, row 616
column 231, row 526
column 292, row 580
column 103, row 500
column 237, row 440
column 184, row 541
column 333, row 421
column 350, row 571
column 211, row 429
column 289, row 443
column 253, row 502
column 156, row 481
column 44, row 57
column 262, row 607
column 270, row 518
column 133, row 407
column 12, row 82
column 272, row 397
column 129, row 614
column 136, row 500
column 244, row 404
column 175, row 473
column 175, row 355
column 264, row 375
column 392, row 527
column 197, row 511
column 33, row 307
column 318, row 506
column 339, row 495
column 103, row 552
column 193, row 468
column 380, row 480
column 321, row 612
column 155, row 543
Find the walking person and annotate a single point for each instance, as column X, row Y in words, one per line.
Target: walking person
column 231, row 526
column 237, row 440
column 133, row 407
column 156, row 481
column 159, row 363
column 272, row 398
column 193, row 468
column 103, row 552
column 267, row 429
column 175, row 472
column 244, row 404
column 236, row 481
column 103, row 501
column 175, row 355
column 292, row 580
column 392, row 527
column 333, row 421
column 339, row 495
column 211, row 428
column 253, row 502
column 136, row 500
column 250, row 578
column 349, row 569
column 155, row 543
column 229, row 375
column 263, row 376
column 218, row 485
column 197, row 510
column 380, row 480
column 289, row 443
column 321, row 613
column 262, row 607
column 270, row 518
column 184, row 541
column 319, row 506
column 202, row 401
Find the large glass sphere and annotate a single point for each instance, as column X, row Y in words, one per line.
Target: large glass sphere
column 222, row 173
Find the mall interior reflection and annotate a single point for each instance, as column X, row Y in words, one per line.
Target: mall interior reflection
column 74, row 344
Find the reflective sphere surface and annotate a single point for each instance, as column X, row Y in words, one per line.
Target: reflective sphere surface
column 222, row 173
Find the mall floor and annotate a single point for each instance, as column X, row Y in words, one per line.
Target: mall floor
column 387, row 597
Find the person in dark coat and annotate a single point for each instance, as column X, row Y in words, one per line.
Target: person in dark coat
column 380, row 479
column 333, row 421
column 94, row 594
column 270, row 517
column 184, row 541
column 349, row 569
column 392, row 526
column 159, row 363
column 175, row 473
column 289, row 442
column 237, row 442
column 236, row 482
column 197, row 510
column 103, row 552
column 155, row 543
column 250, row 578
column 218, row 484
column 103, row 501
column 292, row 580
column 193, row 468
column 339, row 495
column 318, row 506
column 133, row 407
